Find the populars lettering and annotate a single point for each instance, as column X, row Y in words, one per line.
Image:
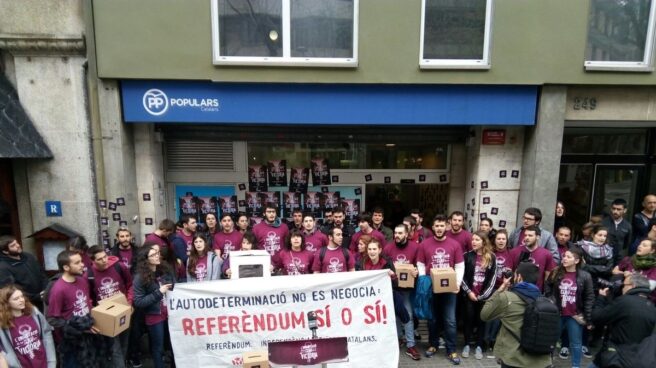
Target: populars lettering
column 195, row 102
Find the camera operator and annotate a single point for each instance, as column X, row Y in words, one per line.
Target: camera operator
column 629, row 318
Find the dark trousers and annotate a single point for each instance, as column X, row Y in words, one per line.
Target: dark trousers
column 473, row 321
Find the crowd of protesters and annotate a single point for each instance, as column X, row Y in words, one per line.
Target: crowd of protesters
column 496, row 271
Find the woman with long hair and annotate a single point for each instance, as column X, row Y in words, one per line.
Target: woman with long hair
column 294, row 259
column 26, row 336
column 560, row 219
column 152, row 280
column 209, row 228
column 361, row 254
column 571, row 289
column 502, row 254
column 243, row 223
column 598, row 255
column 202, row 264
column 643, row 262
column 477, row 286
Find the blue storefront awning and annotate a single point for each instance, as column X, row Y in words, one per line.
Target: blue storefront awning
column 326, row 104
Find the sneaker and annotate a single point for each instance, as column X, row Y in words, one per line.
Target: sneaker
column 430, row 352
column 454, row 358
column 564, row 353
column 413, row 353
column 465, row 351
column 478, row 354
column 586, row 352
column 490, row 354
column 135, row 363
column 441, row 344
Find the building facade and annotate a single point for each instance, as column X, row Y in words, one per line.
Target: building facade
column 484, row 106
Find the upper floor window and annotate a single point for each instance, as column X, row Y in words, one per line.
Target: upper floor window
column 455, row 34
column 620, row 35
column 285, row 32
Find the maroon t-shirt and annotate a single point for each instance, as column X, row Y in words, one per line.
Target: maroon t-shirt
column 188, row 239
column 479, row 276
column 561, row 250
column 541, row 257
column 69, row 299
column 227, row 242
column 406, row 255
column 435, row 253
column 315, row 240
column 294, row 263
column 109, row 282
column 125, row 257
column 368, row 265
column 27, row 343
column 154, row 238
column 503, row 258
column 464, row 238
column 333, row 261
column 626, row 265
column 201, row 269
column 374, row 234
column 568, row 289
column 270, row 238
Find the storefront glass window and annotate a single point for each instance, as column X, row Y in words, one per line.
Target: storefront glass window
column 605, row 141
column 353, row 155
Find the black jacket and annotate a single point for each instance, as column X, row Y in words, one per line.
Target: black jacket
column 25, row 272
column 347, row 233
column 490, row 276
column 585, row 296
column 147, row 297
column 630, row 318
column 619, row 237
column 115, row 251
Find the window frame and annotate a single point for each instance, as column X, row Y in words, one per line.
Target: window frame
column 484, row 63
column 286, row 59
column 647, row 63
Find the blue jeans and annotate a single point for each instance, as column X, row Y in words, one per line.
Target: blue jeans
column 575, row 337
column 407, row 327
column 444, row 318
column 156, row 338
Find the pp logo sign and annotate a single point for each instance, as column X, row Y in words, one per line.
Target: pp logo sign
column 155, row 102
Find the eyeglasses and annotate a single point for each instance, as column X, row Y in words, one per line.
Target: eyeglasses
column 154, row 254
column 529, row 218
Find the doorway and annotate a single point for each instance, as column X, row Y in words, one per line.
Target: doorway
column 398, row 199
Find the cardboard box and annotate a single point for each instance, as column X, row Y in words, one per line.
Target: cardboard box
column 404, row 275
column 116, row 298
column 250, row 263
column 111, row 318
column 444, row 280
column 256, row 359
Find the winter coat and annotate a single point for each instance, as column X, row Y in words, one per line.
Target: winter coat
column 25, row 272
column 585, row 297
column 490, row 276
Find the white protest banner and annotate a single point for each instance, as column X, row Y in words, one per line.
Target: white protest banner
column 213, row 323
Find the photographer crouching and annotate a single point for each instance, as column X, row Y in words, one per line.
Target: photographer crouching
column 630, row 318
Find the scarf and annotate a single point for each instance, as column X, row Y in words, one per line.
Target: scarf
column 644, row 262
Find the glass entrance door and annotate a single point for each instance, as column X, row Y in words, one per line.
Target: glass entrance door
column 615, row 181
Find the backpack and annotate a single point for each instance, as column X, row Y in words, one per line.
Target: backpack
column 345, row 252
column 541, row 328
column 422, row 297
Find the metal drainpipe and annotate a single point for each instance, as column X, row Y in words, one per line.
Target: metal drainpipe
column 93, row 109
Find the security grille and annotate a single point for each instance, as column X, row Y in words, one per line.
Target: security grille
column 196, row 155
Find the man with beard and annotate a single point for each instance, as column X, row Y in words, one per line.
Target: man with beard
column 228, row 239
column 182, row 242
column 404, row 251
column 22, row 269
column 458, row 233
column 297, row 220
column 124, row 249
column 421, row 231
column 338, row 223
column 333, row 257
column 314, row 239
column 563, row 239
column 533, row 217
column 530, row 251
column 69, row 304
column 439, row 251
column 619, row 230
column 641, row 219
column 270, row 233
column 378, row 216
